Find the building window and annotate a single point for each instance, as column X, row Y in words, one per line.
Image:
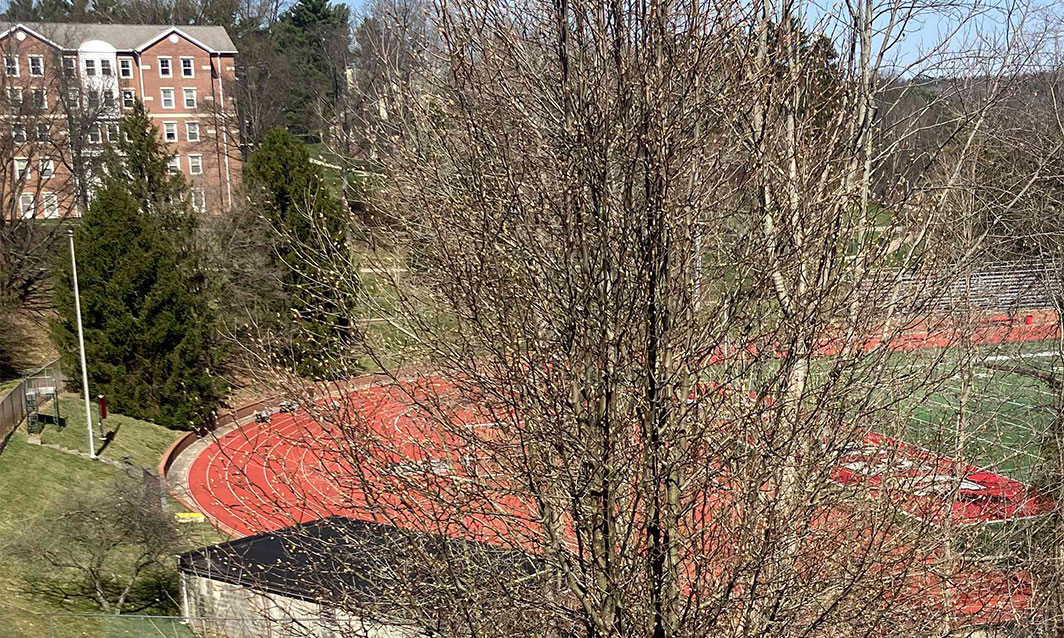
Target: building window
column 112, row 132
column 190, row 98
column 14, row 96
column 192, row 131
column 18, row 133
column 168, row 98
column 90, row 68
column 105, row 68
column 25, row 204
column 174, row 165
column 43, row 132
column 129, row 96
column 165, row 71
column 109, row 100
column 93, row 99
column 47, row 168
column 72, row 98
column 50, row 205
column 195, row 164
column 125, row 68
column 199, row 199
column 36, row 65
column 40, row 99
column 70, row 65
column 94, row 134
column 11, row 66
column 188, row 69
column 22, row 169
column 170, row 131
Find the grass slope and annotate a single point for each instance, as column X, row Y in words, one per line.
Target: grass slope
column 34, row 479
column 142, row 442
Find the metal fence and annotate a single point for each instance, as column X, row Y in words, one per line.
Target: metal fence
column 134, row 626
column 32, row 389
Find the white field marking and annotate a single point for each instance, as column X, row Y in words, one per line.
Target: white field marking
column 1026, row 355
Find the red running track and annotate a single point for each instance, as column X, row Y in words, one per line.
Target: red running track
column 299, row 467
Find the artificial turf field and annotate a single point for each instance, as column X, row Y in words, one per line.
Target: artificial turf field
column 1007, row 412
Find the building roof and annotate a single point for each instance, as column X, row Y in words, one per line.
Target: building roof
column 339, row 558
column 124, row 37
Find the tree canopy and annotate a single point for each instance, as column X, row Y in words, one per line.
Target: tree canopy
column 148, row 317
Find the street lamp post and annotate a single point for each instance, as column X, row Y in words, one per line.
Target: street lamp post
column 81, row 346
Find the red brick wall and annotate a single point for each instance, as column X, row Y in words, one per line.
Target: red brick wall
column 27, row 118
column 216, row 148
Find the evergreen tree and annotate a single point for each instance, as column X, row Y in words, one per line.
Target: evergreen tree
column 291, row 194
column 148, row 319
column 315, row 35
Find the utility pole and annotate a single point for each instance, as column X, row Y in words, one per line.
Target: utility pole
column 81, row 345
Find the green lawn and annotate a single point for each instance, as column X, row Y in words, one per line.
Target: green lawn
column 34, row 479
column 141, row 441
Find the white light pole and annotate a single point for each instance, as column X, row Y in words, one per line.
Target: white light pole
column 81, row 345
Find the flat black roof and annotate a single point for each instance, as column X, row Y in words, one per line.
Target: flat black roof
column 340, row 558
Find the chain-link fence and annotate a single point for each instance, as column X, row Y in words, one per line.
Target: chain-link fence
column 137, row 626
column 34, row 389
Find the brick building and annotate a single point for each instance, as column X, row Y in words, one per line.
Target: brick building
column 67, row 85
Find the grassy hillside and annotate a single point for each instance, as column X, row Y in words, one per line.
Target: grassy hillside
column 140, row 442
column 34, row 479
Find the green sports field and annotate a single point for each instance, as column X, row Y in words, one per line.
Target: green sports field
column 1007, row 411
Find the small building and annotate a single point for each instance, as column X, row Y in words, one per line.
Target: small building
column 330, row 578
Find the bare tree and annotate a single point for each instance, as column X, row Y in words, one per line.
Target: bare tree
column 113, row 549
column 664, row 255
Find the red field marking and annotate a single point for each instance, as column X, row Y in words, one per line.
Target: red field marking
column 922, row 483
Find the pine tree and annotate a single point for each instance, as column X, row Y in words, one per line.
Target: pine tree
column 315, row 35
column 148, row 318
column 291, row 194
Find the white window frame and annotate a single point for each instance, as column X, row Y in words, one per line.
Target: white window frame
column 162, row 98
column 188, row 131
column 201, row 195
column 47, row 168
column 49, row 205
column 70, row 66
column 197, row 168
column 47, row 132
column 90, row 63
column 44, row 97
column 169, row 66
column 174, row 165
column 95, row 128
column 132, row 93
column 22, row 169
column 27, row 204
column 106, row 64
column 167, row 127
column 7, row 68
column 40, row 61
column 112, row 127
column 191, row 67
column 18, row 134
column 14, row 92
column 184, row 97
column 124, row 65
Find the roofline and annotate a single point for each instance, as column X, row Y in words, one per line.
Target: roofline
column 39, row 36
column 171, row 30
column 159, row 36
